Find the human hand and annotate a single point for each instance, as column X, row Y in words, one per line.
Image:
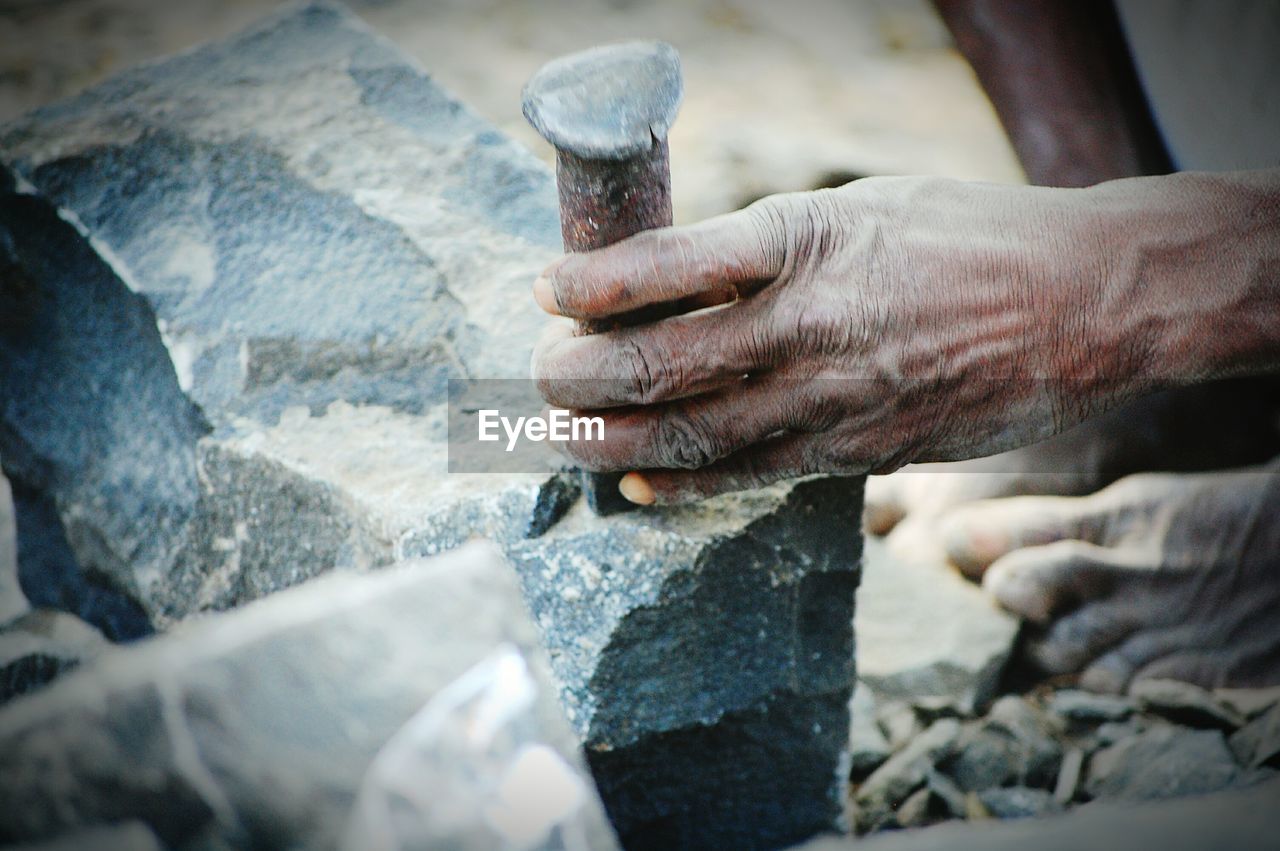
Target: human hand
column 890, row 321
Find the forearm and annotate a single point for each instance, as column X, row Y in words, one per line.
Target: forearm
column 1061, row 81
column 1192, row 275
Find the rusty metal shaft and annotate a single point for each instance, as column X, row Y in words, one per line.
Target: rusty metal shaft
column 602, row 202
column 607, row 111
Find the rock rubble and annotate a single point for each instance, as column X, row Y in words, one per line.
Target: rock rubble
column 1051, row 750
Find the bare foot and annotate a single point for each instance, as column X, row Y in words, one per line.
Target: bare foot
column 1158, row 575
column 1210, row 427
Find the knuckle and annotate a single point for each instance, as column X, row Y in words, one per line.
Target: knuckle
column 685, row 256
column 683, row 441
column 638, row 372
column 650, row 373
column 770, row 222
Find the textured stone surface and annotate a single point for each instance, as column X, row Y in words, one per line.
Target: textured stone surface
column 1258, row 743
column 1014, row 802
column 41, row 646
column 1163, row 762
column 900, row 723
column 1186, row 704
column 1243, row 820
column 989, row 758
column 421, row 689
column 925, row 631
column 1084, row 707
column 12, row 601
column 868, row 746
column 1249, row 702
column 130, row 836
column 906, row 771
column 51, row 578
column 285, row 220
column 257, row 265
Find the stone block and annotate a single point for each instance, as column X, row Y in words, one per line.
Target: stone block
column 246, row 275
column 413, row 705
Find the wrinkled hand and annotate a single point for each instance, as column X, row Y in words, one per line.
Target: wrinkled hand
column 858, row 329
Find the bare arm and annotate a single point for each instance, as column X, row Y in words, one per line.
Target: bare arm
column 1060, row 78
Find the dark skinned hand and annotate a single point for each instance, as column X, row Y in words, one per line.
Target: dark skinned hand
column 858, row 329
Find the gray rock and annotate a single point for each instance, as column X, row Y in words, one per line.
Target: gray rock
column 1163, row 762
column 41, row 646
column 920, row 809
column 291, row 219
column 899, row 722
column 868, row 746
column 130, row 836
column 1185, row 704
column 12, row 601
column 1258, row 743
column 1249, row 702
column 925, row 631
column 1064, row 788
column 414, row 705
column 257, row 265
column 1012, row 745
column 1085, row 707
column 50, row 577
column 1035, row 735
column 1115, row 731
column 904, row 773
column 930, row 709
column 951, row 795
column 985, row 758
column 1241, row 819
column 1017, row 802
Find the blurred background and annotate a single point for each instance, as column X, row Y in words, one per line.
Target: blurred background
column 780, row 96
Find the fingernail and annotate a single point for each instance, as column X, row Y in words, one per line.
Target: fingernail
column 545, row 296
column 635, row 488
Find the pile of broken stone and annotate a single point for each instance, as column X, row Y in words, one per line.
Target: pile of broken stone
column 918, row 764
column 235, row 286
column 940, row 734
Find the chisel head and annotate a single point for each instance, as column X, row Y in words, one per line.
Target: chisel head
column 607, row 103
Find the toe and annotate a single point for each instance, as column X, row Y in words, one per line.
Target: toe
column 976, row 535
column 1040, row 582
column 884, row 504
column 1113, row 672
column 1074, row 640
